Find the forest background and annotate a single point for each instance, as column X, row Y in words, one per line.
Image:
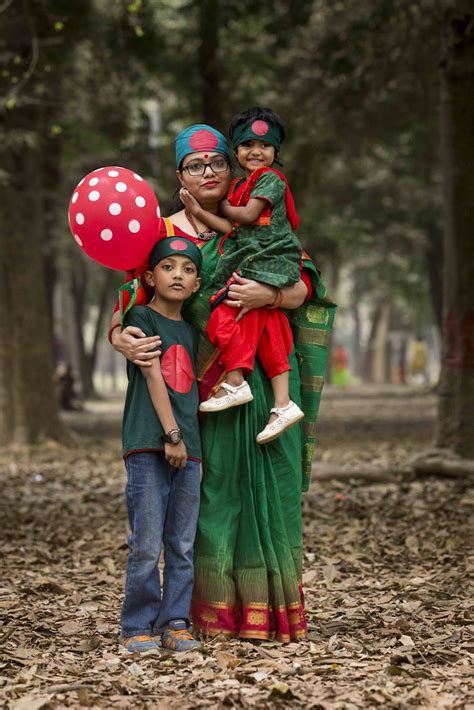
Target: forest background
column 378, row 102
column 378, row 97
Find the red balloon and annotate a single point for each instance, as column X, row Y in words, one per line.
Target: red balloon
column 114, row 216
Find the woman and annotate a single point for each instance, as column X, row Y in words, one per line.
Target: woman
column 248, row 550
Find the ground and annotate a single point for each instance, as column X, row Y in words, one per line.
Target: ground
column 386, row 570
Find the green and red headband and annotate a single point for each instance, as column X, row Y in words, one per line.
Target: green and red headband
column 175, row 245
column 257, row 130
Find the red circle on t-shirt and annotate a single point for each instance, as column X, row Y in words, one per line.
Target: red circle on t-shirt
column 203, row 140
column 260, row 128
column 177, row 369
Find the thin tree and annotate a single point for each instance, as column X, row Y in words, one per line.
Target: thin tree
column 456, row 394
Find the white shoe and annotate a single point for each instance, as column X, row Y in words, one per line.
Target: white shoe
column 235, row 397
column 286, row 417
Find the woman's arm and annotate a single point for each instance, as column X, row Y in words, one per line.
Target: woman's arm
column 214, row 221
column 133, row 344
column 247, row 294
column 175, row 454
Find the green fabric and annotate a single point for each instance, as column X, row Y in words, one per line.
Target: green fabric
column 248, row 546
column 141, row 427
column 269, row 253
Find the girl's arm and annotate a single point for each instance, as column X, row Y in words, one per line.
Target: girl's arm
column 175, row 454
column 244, row 215
column 132, row 343
column 214, row 221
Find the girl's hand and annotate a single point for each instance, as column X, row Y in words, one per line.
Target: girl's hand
column 136, row 346
column 247, row 294
column 176, row 454
column 190, row 202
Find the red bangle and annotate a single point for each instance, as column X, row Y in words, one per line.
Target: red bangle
column 109, row 336
column 278, row 299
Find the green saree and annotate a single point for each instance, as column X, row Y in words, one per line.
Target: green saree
column 248, row 550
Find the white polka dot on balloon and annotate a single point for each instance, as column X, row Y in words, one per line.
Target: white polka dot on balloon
column 80, row 183
column 98, row 170
column 137, row 177
column 140, row 201
column 120, row 187
column 115, row 208
column 74, row 197
column 80, row 219
column 93, row 182
column 78, row 240
column 106, row 235
column 113, row 173
column 94, row 196
column 158, row 213
column 134, row 226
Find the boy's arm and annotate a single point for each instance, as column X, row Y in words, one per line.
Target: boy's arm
column 175, row 454
column 214, row 221
column 244, row 215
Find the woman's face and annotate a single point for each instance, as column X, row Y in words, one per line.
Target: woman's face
column 210, row 187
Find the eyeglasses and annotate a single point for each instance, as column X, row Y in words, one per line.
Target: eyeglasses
column 217, row 166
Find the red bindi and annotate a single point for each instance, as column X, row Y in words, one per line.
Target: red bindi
column 206, row 156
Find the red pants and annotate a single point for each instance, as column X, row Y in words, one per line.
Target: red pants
column 262, row 331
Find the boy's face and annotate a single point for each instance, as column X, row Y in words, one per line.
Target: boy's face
column 174, row 278
column 255, row 154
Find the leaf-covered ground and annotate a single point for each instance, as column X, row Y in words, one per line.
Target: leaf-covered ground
column 386, row 580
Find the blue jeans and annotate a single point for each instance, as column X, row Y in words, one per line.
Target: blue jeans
column 163, row 506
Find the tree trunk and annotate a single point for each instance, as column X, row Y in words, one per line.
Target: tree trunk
column 456, row 391
column 209, row 70
column 29, row 409
column 368, row 355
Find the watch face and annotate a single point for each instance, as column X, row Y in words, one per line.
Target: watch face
column 175, row 437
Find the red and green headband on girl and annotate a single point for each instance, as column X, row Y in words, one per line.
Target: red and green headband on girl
column 257, row 130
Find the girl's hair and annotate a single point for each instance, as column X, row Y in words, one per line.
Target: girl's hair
column 256, row 113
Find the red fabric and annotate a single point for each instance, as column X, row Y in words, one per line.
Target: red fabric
column 261, row 331
column 239, row 197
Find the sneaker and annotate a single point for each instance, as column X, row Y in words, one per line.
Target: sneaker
column 286, row 417
column 176, row 637
column 140, row 644
column 235, row 397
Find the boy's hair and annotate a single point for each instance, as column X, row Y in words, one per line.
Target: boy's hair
column 256, row 113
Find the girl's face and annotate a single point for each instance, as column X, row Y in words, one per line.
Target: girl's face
column 211, row 186
column 255, row 154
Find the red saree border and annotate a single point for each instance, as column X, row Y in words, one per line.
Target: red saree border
column 257, row 620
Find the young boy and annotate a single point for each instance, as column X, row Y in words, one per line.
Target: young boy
column 162, row 453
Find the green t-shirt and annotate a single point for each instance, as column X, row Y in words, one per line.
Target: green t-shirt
column 141, row 429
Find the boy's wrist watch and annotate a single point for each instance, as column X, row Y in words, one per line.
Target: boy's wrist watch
column 174, row 436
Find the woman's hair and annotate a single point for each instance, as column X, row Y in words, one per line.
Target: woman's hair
column 256, row 113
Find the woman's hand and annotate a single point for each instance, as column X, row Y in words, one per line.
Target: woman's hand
column 190, row 202
column 223, row 206
column 136, row 346
column 247, row 294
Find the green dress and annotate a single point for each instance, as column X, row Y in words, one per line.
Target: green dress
column 266, row 250
column 248, row 550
